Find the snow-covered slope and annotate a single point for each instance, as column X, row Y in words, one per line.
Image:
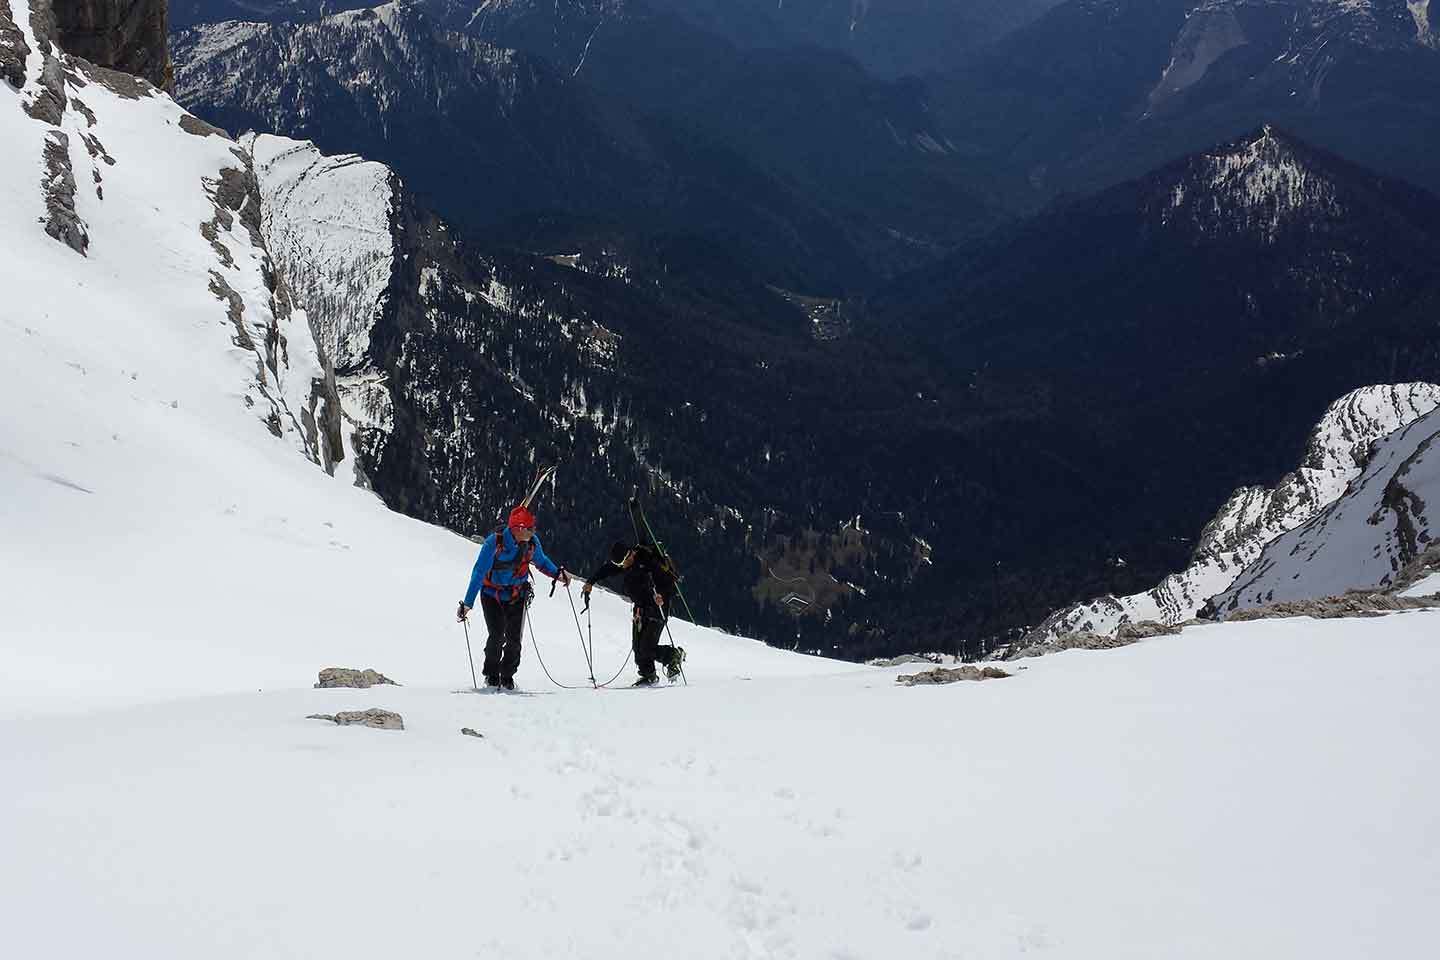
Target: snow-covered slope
column 1382, row 523
column 132, row 224
column 1254, row 516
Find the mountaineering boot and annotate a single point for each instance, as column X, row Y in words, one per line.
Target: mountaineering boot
column 672, row 669
column 646, row 682
column 508, row 683
column 491, row 681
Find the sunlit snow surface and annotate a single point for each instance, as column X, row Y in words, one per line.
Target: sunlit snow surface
column 173, row 577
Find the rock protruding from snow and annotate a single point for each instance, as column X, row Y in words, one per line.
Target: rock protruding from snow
column 943, row 675
column 61, row 220
column 328, row 225
column 1365, row 540
column 1145, row 630
column 353, row 679
column 374, row 717
column 14, row 51
column 905, row 659
column 1360, row 604
column 1338, row 449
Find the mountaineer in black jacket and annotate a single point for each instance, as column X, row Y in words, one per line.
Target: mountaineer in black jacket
column 649, row 582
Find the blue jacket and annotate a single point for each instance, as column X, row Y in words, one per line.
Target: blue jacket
column 502, row 571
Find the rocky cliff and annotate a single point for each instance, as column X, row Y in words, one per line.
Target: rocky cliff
column 1366, row 539
column 126, row 35
column 1339, row 450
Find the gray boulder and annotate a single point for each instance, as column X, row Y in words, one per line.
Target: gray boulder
column 374, row 717
column 354, row 679
column 1144, row 630
column 942, row 675
column 900, row 661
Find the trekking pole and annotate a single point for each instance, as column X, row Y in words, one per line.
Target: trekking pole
column 589, row 656
column 474, row 684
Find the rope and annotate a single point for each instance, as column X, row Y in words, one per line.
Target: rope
column 535, row 645
column 591, row 624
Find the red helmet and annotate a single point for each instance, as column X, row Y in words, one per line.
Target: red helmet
column 522, row 519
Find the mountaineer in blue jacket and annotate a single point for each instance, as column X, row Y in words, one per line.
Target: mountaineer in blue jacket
column 502, row 578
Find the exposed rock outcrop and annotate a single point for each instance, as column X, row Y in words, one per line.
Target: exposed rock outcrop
column 127, row 35
column 1421, row 568
column 1332, row 608
column 13, row 48
column 943, row 675
column 374, row 717
column 356, row 679
column 49, row 101
column 61, row 220
column 1144, row 630
column 313, row 409
column 1078, row 640
column 903, row 660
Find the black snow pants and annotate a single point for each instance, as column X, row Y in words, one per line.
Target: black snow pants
column 645, row 640
column 506, row 623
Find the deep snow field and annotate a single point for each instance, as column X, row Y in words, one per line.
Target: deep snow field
column 172, row 577
column 1247, row 790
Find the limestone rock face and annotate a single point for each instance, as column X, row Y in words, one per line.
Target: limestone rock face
column 126, row 35
column 374, row 717
column 358, row 679
column 61, row 220
column 13, row 48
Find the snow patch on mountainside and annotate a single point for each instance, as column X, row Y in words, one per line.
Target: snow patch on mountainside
column 1258, row 186
column 1365, row 538
column 1254, row 516
column 1420, row 11
column 327, row 221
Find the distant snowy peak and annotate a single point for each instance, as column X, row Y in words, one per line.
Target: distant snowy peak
column 1258, row 185
column 327, row 221
column 1253, row 517
column 360, row 48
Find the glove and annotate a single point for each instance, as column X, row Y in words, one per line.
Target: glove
column 463, row 613
column 585, row 590
column 563, row 577
column 659, row 601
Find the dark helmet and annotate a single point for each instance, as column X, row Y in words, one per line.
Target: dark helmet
column 618, row 550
